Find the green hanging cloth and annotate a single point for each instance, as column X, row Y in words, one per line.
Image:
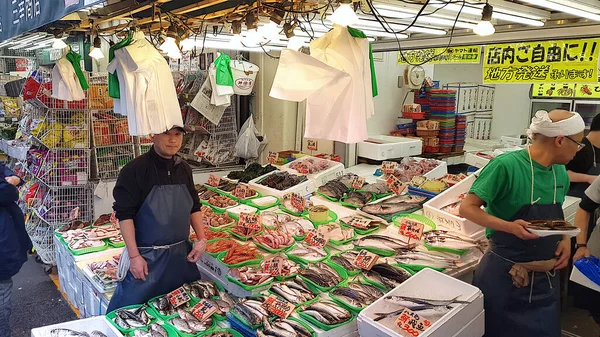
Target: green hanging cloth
column 75, row 60
column 223, row 66
column 359, row 33
column 114, row 90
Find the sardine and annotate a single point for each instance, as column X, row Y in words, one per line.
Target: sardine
column 119, row 321
column 273, row 330
column 391, row 276
column 407, row 301
column 382, row 242
column 327, row 312
column 299, row 328
column 368, row 290
column 67, row 333
column 344, row 263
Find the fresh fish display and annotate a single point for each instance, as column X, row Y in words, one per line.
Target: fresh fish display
column 344, row 262
column 283, row 328
column 377, row 188
column 157, row 330
column 411, row 167
column 163, row 306
column 308, row 252
column 201, row 289
column 251, row 172
column 288, row 267
column 367, row 289
column 282, row 180
column 335, row 231
column 67, row 333
column 241, row 253
column 133, row 318
column 97, row 333
column 298, row 227
column 275, row 239
column 207, row 194
column 221, row 245
column 313, row 165
column 347, row 179
column 272, row 219
column 387, row 275
column 428, row 258
column 224, row 333
column 453, row 208
column 358, row 199
column 287, row 203
column 251, row 310
column 394, row 205
column 382, row 242
column 321, row 274
column 249, row 275
column 426, row 307
column 373, row 223
column 354, row 297
column 334, row 189
column 327, row 312
column 447, row 239
column 294, row 291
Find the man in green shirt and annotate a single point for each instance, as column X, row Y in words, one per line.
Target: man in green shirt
column 517, row 276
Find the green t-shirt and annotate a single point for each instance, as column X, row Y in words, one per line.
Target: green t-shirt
column 505, row 184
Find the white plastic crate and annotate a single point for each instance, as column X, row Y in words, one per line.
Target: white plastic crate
column 335, row 170
column 383, row 147
column 427, row 283
column 88, row 325
column 474, row 160
column 512, row 140
column 432, row 208
column 304, row 188
column 475, row 328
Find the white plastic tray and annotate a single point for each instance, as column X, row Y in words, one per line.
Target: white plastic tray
column 88, row 325
column 334, row 171
column 474, row 160
column 432, row 208
column 543, row 233
column 304, row 188
column 383, row 147
column 475, row 328
column 438, row 172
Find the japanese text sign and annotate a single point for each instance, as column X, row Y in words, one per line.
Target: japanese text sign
column 411, row 229
column 359, row 222
column 298, row 201
column 213, row 180
column 312, row 145
column 250, row 221
column 365, row 259
column 395, row 184
column 358, row 182
column 316, row 238
column 278, row 306
column 303, row 168
column 388, row 166
column 565, row 61
column 273, row 266
column 178, row 297
column 203, row 310
column 240, row 191
column 272, row 157
column 412, row 324
column 553, row 90
column 464, row 54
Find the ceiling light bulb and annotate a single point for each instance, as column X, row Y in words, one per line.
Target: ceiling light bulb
column 58, row 44
column 187, row 44
column 344, row 15
column 169, row 46
column 175, row 54
column 485, row 27
column 288, row 29
column 295, row 43
column 270, row 31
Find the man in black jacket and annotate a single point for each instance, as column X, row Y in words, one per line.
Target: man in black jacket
column 14, row 242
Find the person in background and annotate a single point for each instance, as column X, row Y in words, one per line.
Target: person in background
column 155, row 202
column 518, row 274
column 14, row 242
column 585, row 167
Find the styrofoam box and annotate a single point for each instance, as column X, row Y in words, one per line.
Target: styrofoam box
column 484, row 145
column 467, row 96
column 486, row 97
column 387, row 147
column 512, row 140
column 427, row 283
column 432, row 208
column 303, row 189
column 335, row 170
column 438, row 172
column 475, row 160
column 579, row 277
column 88, row 325
column 475, row 328
column 84, row 270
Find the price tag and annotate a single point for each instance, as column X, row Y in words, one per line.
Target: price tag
column 316, row 238
column 250, row 221
column 411, row 229
column 278, row 306
column 362, row 223
column 388, row 166
column 272, row 157
column 365, row 259
column 240, row 191
column 178, row 297
column 358, row 182
column 74, row 214
column 298, row 201
column 113, row 219
column 303, row 169
column 200, row 154
column 213, row 180
column 395, row 184
column 312, row 145
column 412, row 324
column 203, row 310
column 273, row 266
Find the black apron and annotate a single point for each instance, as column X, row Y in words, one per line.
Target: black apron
column 162, row 228
column 532, row 311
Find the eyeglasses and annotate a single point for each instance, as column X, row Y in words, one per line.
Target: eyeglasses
column 579, row 145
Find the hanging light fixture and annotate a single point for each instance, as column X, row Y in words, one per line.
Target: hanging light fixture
column 251, row 21
column 58, row 43
column 288, row 29
column 170, row 46
column 485, row 27
column 96, row 53
column 236, row 27
column 344, row 15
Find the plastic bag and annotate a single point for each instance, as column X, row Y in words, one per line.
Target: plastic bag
column 247, row 144
column 590, row 267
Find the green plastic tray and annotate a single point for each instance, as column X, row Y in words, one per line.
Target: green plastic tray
column 183, row 334
column 255, row 261
column 245, row 200
column 308, row 327
column 445, row 250
column 380, row 252
column 215, row 255
column 344, row 304
column 345, row 242
column 345, row 204
column 350, row 273
column 247, row 287
column 166, row 318
column 243, row 321
column 115, row 245
column 320, row 325
column 365, row 280
column 234, row 333
column 273, row 251
column 84, row 251
column 283, row 208
column 242, row 238
column 222, row 228
column 251, row 203
column 170, row 330
column 416, row 267
column 341, row 272
column 328, row 197
column 421, row 218
column 303, row 261
column 295, row 304
column 112, row 315
column 332, row 218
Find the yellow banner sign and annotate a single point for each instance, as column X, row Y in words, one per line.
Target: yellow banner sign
column 553, row 90
column 568, row 61
column 465, row 54
column 588, row 91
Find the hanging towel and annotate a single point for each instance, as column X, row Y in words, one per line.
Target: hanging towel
column 75, row 60
column 113, row 80
column 360, row 34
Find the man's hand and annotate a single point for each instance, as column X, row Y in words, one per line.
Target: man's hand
column 13, row 180
column 518, row 228
column 563, row 252
column 580, row 253
column 139, row 268
column 197, row 251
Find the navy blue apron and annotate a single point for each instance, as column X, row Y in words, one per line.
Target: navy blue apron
column 162, row 228
column 532, row 311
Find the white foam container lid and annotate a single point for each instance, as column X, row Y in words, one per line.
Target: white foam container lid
column 88, row 325
column 334, row 171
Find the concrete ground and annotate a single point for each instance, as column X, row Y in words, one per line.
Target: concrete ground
column 36, row 301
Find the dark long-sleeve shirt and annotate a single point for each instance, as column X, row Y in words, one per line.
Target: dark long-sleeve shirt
column 137, row 179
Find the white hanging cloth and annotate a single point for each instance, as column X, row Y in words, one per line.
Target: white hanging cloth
column 65, row 83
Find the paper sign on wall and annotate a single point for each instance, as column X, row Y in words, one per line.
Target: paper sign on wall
column 462, row 54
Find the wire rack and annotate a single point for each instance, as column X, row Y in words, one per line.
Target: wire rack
column 113, row 146
column 62, row 168
column 41, row 234
column 109, row 160
column 54, row 205
column 64, row 129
